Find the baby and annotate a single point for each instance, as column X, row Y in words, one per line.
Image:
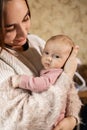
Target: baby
column 55, row 54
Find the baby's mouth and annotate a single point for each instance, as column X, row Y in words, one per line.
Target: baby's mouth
column 47, row 65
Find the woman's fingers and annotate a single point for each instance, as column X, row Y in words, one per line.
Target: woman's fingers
column 74, row 52
column 71, row 64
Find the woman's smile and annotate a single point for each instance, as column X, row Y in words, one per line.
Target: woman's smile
column 20, row 42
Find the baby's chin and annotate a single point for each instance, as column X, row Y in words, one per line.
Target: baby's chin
column 47, row 67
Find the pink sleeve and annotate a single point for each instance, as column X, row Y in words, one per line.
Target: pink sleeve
column 38, row 84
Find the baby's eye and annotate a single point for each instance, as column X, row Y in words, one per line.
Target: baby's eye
column 46, row 53
column 56, row 56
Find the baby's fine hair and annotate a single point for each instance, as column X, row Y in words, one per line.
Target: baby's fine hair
column 66, row 39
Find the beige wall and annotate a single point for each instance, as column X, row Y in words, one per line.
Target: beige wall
column 50, row 17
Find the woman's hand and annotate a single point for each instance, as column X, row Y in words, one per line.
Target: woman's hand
column 71, row 64
column 67, row 123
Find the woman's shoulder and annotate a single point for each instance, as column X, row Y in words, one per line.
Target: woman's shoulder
column 34, row 39
column 36, row 42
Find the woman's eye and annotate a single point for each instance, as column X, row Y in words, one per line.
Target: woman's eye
column 9, row 29
column 26, row 18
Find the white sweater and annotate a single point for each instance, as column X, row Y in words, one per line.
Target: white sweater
column 19, row 110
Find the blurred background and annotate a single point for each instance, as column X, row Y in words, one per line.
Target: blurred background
column 51, row 17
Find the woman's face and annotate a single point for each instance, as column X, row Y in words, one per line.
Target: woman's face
column 17, row 23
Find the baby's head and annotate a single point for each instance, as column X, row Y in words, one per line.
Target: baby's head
column 56, row 51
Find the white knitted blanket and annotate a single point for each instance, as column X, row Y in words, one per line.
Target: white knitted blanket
column 21, row 111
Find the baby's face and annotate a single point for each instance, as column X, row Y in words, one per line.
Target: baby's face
column 55, row 54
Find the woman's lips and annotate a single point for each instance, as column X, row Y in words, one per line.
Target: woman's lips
column 20, row 42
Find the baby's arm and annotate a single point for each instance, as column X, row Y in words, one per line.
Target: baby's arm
column 36, row 84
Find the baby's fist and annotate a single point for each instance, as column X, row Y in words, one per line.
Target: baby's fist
column 15, row 81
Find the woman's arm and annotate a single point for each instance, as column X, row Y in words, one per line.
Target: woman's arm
column 73, row 104
column 69, row 122
column 71, row 64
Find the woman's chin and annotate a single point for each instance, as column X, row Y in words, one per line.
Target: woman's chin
column 19, row 45
column 22, row 42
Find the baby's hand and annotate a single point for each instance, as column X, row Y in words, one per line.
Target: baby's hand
column 15, row 81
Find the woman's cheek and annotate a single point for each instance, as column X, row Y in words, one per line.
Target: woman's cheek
column 28, row 25
column 9, row 37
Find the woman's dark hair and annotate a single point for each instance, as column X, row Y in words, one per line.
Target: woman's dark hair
column 1, row 23
column 2, row 6
column 28, row 8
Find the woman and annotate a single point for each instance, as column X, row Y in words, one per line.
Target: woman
column 20, row 54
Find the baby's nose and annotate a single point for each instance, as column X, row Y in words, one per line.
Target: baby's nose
column 49, row 58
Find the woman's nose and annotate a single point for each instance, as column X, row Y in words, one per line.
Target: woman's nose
column 22, row 32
